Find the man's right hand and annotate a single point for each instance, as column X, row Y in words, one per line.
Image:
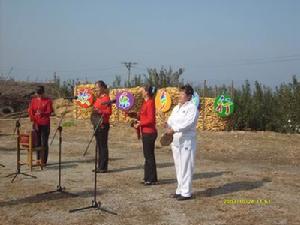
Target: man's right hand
column 170, row 131
column 136, row 125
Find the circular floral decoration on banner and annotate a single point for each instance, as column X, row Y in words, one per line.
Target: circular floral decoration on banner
column 196, row 99
column 85, row 97
column 224, row 105
column 163, row 101
column 124, row 100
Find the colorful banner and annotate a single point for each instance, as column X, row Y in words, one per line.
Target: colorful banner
column 224, row 105
column 85, row 97
column 163, row 101
column 124, row 100
column 196, row 99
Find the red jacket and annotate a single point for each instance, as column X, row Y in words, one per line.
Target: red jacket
column 105, row 110
column 40, row 110
column 147, row 117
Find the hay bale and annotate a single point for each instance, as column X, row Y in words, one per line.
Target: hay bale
column 212, row 121
column 61, row 106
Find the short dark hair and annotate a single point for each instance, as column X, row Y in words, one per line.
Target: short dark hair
column 188, row 90
column 151, row 90
column 40, row 90
column 101, row 83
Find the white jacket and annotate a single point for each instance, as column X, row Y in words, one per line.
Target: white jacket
column 183, row 121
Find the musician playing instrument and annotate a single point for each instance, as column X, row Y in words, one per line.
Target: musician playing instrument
column 147, row 125
column 103, row 108
column 40, row 109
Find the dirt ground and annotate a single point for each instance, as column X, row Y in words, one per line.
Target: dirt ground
column 230, row 166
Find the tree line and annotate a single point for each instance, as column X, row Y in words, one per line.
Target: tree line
column 257, row 107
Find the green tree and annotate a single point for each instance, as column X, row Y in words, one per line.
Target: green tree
column 117, row 82
column 164, row 77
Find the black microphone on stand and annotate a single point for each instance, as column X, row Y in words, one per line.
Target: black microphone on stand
column 29, row 95
column 71, row 98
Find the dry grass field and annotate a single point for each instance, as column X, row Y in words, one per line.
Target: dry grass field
column 229, row 166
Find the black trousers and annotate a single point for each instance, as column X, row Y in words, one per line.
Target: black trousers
column 101, row 141
column 42, row 140
column 150, row 173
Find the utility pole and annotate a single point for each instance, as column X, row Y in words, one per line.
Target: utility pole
column 128, row 66
column 10, row 70
column 204, row 107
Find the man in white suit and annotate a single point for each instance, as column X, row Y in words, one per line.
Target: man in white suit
column 182, row 125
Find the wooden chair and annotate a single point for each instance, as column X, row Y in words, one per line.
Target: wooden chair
column 28, row 141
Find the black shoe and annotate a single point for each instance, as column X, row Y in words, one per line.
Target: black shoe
column 100, row 171
column 147, row 183
column 182, row 198
column 175, row 195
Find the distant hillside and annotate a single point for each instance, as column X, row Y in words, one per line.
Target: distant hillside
column 12, row 94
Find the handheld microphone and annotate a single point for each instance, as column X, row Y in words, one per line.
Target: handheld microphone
column 71, row 98
column 109, row 102
column 28, row 95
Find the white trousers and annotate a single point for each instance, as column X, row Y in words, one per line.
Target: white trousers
column 184, row 155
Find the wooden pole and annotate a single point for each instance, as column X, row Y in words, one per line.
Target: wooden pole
column 204, row 114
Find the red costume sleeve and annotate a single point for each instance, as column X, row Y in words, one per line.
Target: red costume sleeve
column 148, row 117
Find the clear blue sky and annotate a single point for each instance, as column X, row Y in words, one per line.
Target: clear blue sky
column 217, row 40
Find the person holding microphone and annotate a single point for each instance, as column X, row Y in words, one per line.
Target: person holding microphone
column 102, row 107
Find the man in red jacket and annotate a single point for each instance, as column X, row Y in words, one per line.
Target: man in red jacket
column 39, row 110
column 103, row 107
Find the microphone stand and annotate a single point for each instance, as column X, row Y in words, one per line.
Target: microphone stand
column 94, row 133
column 59, row 188
column 95, row 204
column 18, row 172
column 97, row 126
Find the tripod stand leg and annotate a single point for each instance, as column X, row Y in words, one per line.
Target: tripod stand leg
column 28, row 175
column 59, row 190
column 19, row 173
column 24, row 174
column 96, row 206
column 80, row 209
column 62, row 190
column 13, row 179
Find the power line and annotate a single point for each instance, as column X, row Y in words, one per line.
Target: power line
column 257, row 62
column 129, row 65
column 66, row 71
